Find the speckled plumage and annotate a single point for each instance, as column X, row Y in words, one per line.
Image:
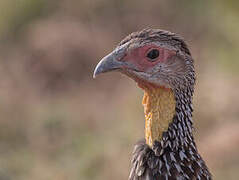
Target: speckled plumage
column 173, row 155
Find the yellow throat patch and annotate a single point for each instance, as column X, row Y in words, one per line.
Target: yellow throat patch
column 159, row 109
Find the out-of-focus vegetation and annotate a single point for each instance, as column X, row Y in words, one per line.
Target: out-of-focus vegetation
column 58, row 123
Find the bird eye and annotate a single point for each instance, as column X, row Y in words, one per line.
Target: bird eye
column 153, row 54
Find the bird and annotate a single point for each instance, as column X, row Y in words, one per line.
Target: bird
column 161, row 64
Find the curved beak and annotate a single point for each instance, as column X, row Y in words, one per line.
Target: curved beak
column 111, row 62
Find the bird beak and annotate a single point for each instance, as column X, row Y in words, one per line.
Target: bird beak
column 111, row 62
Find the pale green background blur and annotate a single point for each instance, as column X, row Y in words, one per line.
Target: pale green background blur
column 59, row 123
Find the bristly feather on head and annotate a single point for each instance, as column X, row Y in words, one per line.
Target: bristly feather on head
column 158, row 35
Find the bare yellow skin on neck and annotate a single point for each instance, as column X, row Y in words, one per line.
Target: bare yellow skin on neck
column 159, row 109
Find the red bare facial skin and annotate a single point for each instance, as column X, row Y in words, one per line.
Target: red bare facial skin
column 138, row 57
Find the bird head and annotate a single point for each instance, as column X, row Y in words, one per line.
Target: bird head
column 153, row 58
column 161, row 63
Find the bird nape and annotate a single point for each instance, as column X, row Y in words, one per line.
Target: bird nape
column 161, row 64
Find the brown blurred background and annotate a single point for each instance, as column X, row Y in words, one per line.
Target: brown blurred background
column 59, row 123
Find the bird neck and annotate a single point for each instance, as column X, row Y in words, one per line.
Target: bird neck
column 159, row 109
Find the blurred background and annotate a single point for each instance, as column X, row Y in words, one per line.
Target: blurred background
column 57, row 122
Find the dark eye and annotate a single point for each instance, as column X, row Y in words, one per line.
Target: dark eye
column 153, row 54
